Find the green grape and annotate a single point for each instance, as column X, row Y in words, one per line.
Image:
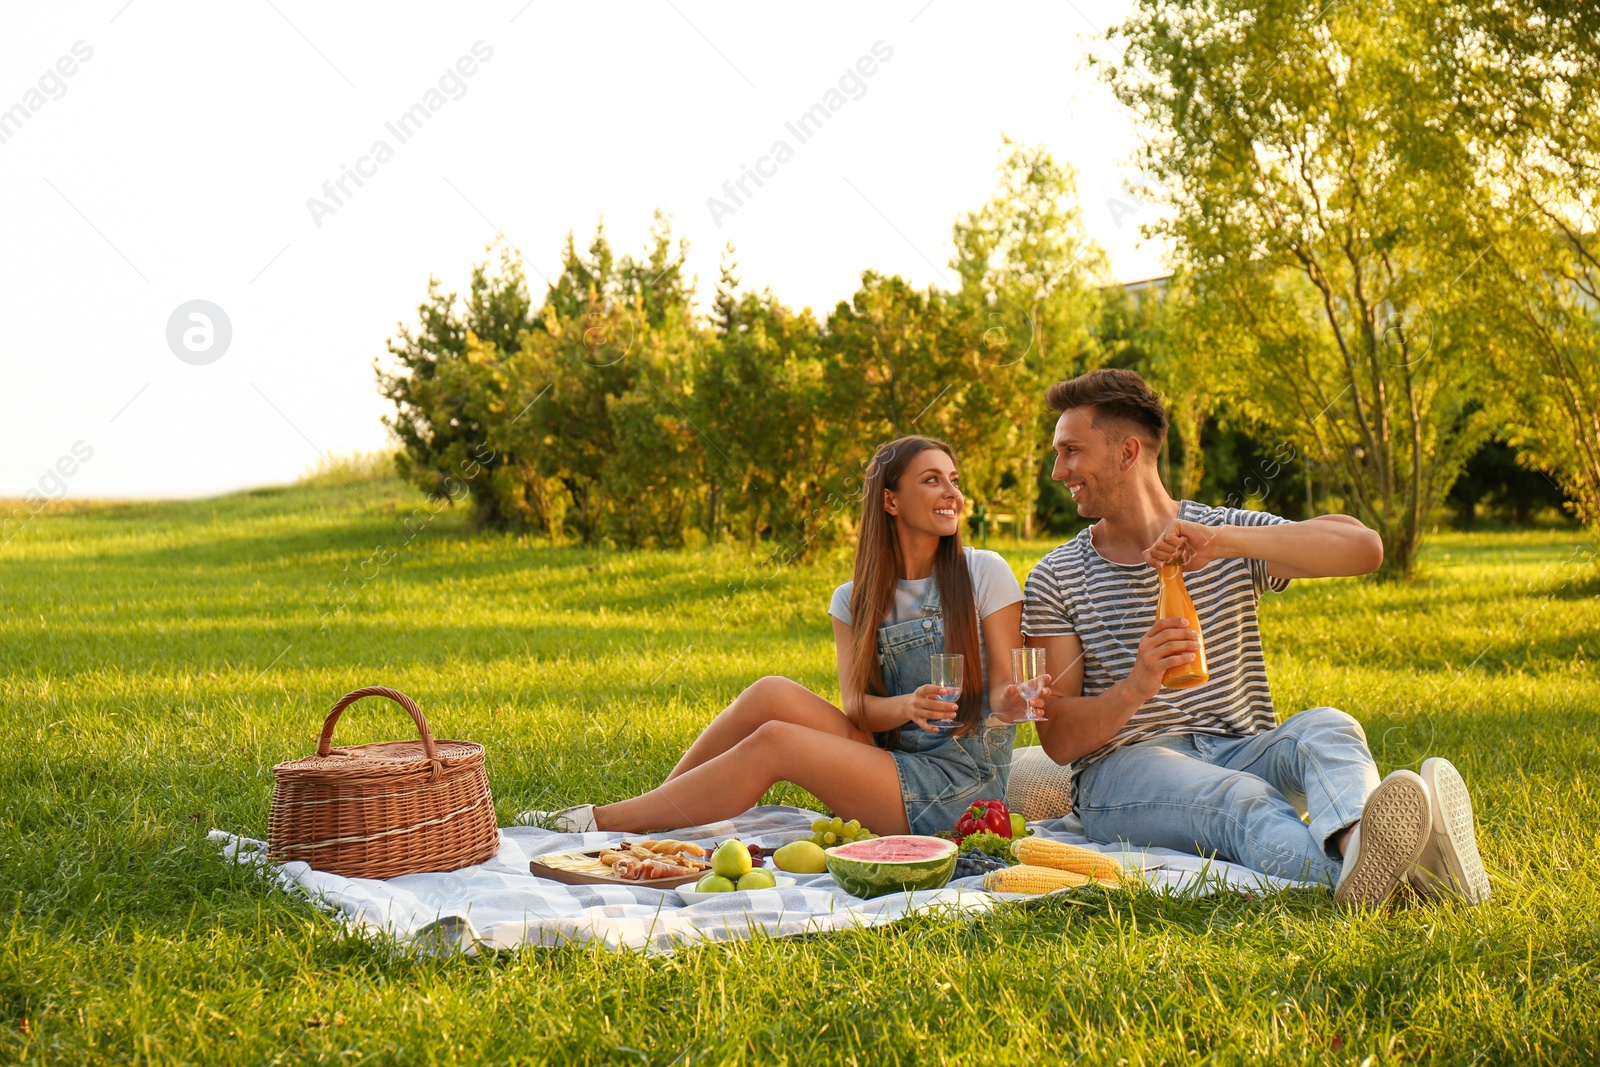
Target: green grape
column 820, row 825
column 837, row 826
column 830, row 838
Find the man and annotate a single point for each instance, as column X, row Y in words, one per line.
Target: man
column 1210, row 768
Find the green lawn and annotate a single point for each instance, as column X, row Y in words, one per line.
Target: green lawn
column 157, row 659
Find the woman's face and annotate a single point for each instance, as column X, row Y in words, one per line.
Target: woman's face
column 929, row 498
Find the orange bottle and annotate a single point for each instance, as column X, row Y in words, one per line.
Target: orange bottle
column 1175, row 603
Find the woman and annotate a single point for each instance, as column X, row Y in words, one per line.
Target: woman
column 900, row 758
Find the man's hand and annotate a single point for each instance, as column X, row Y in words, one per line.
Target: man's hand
column 1168, row 644
column 1327, row 546
column 1189, row 543
column 1013, row 708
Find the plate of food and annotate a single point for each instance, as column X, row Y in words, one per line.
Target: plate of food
column 658, row 864
column 691, row 895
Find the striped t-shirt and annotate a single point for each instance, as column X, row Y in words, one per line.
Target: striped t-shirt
column 1110, row 606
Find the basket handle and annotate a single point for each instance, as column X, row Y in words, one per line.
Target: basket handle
column 325, row 742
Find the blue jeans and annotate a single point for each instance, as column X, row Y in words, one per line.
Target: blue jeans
column 1241, row 798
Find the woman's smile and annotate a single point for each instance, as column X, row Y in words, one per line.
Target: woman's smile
column 929, row 497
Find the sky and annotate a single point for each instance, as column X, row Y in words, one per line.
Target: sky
column 217, row 214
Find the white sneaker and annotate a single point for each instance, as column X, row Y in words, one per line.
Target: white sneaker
column 1393, row 830
column 578, row 819
column 1449, row 865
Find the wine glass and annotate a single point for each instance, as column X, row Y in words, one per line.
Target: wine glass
column 1027, row 673
column 946, row 670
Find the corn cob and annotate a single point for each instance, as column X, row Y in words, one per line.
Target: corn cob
column 1026, row 879
column 1064, row 857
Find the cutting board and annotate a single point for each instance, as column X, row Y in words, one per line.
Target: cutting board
column 559, row 867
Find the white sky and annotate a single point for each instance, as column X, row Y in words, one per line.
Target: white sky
column 177, row 162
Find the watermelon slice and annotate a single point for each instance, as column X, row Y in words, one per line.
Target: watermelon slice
column 892, row 864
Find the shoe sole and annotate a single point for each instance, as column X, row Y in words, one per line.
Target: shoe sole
column 1454, row 838
column 1394, row 831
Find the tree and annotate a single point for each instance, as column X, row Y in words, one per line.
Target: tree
column 1024, row 317
column 1547, row 286
column 894, row 366
column 438, row 420
column 568, row 419
column 1188, row 344
column 1314, row 167
column 1527, row 67
column 1498, row 478
column 600, row 390
column 757, row 395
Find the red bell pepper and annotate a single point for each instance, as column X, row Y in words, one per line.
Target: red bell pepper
column 990, row 815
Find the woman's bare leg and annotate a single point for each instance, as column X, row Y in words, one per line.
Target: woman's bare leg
column 769, row 699
column 857, row 781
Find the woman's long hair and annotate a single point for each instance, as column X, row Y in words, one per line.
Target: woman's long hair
column 879, row 567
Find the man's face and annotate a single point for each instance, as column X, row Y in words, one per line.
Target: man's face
column 1089, row 464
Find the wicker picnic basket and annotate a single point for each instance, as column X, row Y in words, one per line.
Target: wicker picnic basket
column 384, row 809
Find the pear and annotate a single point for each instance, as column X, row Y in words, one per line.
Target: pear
column 801, row 857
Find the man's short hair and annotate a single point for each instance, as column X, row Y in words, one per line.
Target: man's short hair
column 1118, row 396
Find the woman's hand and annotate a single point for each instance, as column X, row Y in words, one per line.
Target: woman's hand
column 928, row 707
column 1012, row 707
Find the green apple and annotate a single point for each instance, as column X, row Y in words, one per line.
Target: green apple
column 713, row 883
column 758, row 878
column 1019, row 826
column 731, row 860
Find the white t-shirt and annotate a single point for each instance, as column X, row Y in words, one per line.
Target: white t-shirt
column 993, row 587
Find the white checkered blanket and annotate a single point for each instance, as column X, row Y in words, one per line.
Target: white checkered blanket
column 500, row 905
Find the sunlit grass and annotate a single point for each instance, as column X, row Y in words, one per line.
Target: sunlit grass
column 157, row 659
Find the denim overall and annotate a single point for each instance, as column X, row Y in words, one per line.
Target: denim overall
column 941, row 775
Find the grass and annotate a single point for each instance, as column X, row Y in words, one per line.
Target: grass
column 156, row 659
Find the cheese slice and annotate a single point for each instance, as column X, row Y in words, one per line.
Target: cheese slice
column 577, row 863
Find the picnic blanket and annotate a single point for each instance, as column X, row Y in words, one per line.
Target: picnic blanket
column 500, row 905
